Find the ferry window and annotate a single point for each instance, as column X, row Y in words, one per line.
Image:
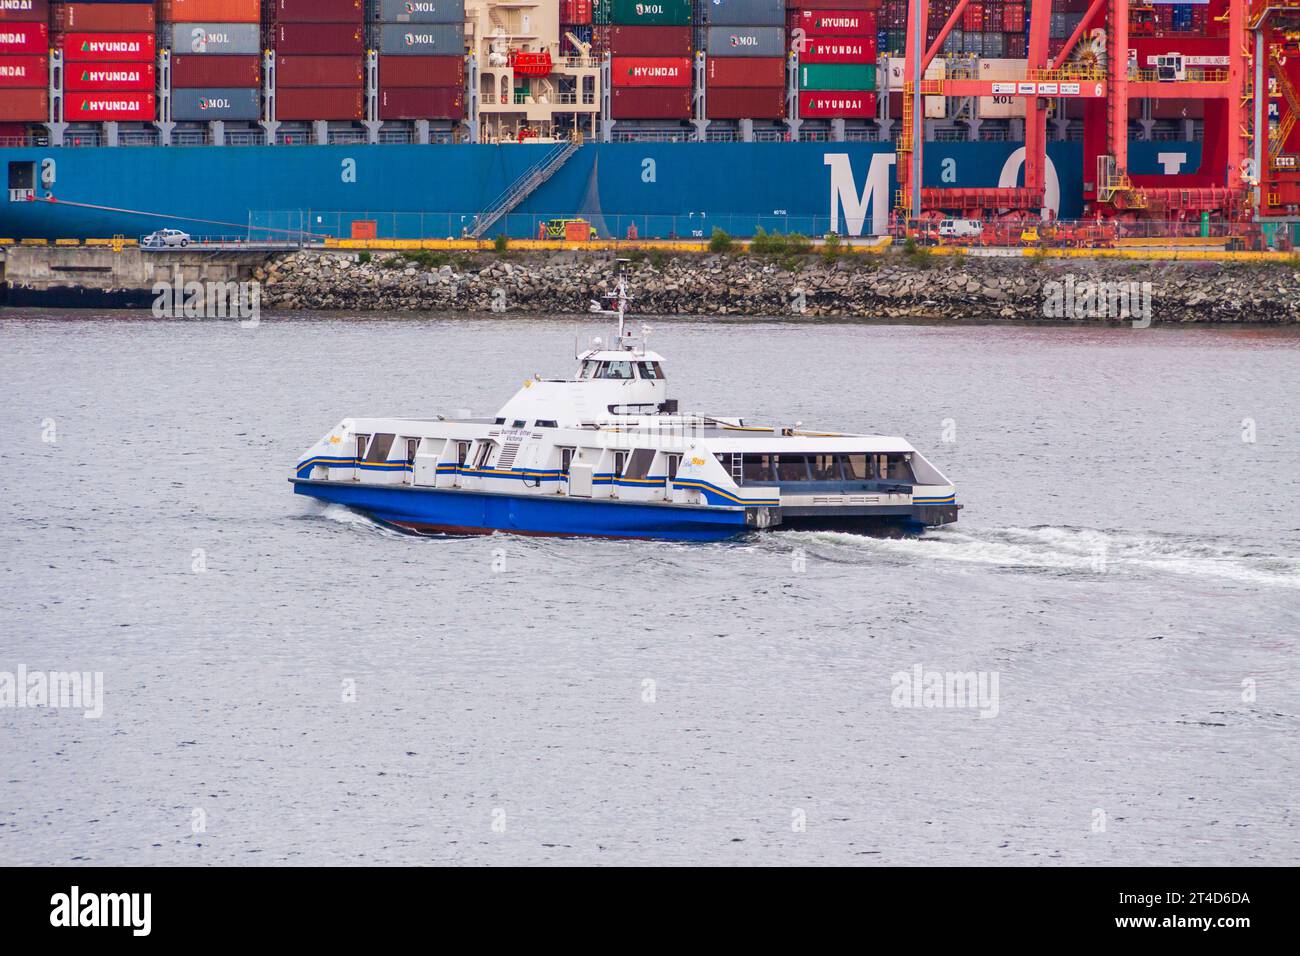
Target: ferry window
column 500, row 421
column 900, row 469
column 673, row 462
column 757, row 468
column 792, row 468
column 649, row 369
column 517, row 423
column 855, row 466
column 484, row 453
column 379, row 448
column 621, row 370
column 412, row 445
column 588, row 369
column 825, row 468
column 566, row 459
column 620, row 460
column 545, row 423
column 462, row 452
column 361, row 447
column 639, row 466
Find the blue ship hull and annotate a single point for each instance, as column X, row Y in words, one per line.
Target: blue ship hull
column 430, row 510
column 410, row 192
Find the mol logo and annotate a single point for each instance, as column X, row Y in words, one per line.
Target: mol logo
column 421, row 38
column 873, row 200
column 214, row 103
column 412, row 7
column 649, row 9
column 745, row 39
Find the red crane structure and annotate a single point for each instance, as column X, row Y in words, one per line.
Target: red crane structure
column 1247, row 36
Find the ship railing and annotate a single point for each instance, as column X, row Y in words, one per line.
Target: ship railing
column 1192, row 74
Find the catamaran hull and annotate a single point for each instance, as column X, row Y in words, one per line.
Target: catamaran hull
column 437, row 511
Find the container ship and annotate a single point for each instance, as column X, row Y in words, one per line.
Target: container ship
column 302, row 120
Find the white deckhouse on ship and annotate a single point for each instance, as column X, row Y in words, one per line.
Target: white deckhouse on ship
column 607, row 453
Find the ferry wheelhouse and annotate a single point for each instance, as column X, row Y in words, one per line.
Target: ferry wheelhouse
column 608, row 453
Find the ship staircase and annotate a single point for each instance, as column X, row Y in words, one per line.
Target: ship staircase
column 524, row 186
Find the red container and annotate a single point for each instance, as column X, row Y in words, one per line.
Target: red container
column 632, row 103
column 108, row 47
column 1013, row 18
column 16, row 38
column 408, row 71
column 98, row 107
column 330, row 103
column 25, row 105
column 834, row 105
column 24, row 11
column 103, row 17
column 209, row 11
column 575, row 12
column 104, row 77
column 839, row 50
column 972, row 18
column 649, row 41
column 24, row 72
column 1015, row 46
column 1197, row 51
column 650, row 71
column 399, row 103
column 721, row 102
column 319, row 71
column 837, row 23
column 318, row 11
column 318, row 39
column 738, row 71
column 220, row 71
column 1177, row 109
column 856, row 5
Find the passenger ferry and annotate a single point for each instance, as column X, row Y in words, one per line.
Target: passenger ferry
column 608, row 453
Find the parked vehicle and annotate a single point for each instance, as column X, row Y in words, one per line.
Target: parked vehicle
column 164, row 238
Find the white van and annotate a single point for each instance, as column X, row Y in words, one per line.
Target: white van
column 960, row 228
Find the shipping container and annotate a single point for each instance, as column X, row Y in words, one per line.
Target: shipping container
column 639, row 103
column 319, row 38
column 1177, row 109
column 24, row 11
column 217, row 103
column 319, row 104
column 435, row 39
column 744, row 13
column 108, row 47
column 25, row 105
column 858, row 5
column 210, row 11
column 105, row 107
column 837, row 23
column 17, row 38
column 412, row 71
column 746, row 41
column 650, row 71
column 725, row 102
column 217, row 71
column 659, row 13
column 649, row 41
column 410, row 103
column 318, row 11
column 103, row 17
column 1196, row 51
column 319, row 71
column 418, row 11
column 838, row 50
column 575, row 12
column 737, row 71
column 837, row 76
column 214, row 38
column 836, row 105
column 110, row 77
column 24, row 72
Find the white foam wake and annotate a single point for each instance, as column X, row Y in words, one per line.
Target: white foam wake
column 1086, row 551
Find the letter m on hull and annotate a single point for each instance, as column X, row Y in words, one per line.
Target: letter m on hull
column 854, row 206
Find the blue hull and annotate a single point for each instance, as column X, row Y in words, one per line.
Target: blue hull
column 467, row 512
column 433, row 192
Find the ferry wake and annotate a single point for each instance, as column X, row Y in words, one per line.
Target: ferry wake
column 608, row 453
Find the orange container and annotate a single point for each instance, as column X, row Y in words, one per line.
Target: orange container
column 365, row 229
column 210, row 11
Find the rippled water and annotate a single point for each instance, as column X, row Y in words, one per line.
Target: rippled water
column 1127, row 567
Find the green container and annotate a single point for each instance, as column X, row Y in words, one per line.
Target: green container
column 643, row 13
column 837, row 76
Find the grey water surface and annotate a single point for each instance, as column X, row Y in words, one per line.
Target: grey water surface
column 291, row 683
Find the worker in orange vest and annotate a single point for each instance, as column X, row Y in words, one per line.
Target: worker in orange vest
column 631, row 231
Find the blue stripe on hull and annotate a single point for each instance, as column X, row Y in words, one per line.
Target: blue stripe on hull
column 429, row 509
